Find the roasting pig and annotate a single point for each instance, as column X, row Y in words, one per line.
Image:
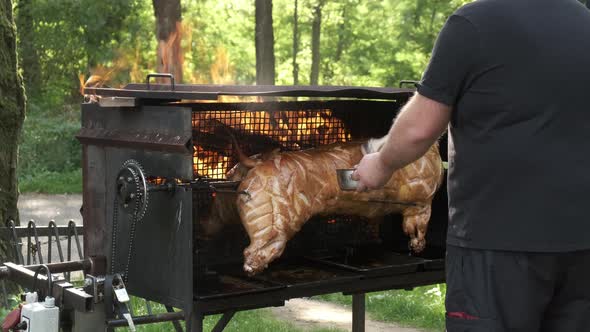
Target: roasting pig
column 281, row 192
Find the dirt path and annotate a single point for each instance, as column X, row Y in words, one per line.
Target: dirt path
column 43, row 208
column 309, row 314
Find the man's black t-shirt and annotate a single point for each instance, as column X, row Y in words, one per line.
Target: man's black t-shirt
column 517, row 74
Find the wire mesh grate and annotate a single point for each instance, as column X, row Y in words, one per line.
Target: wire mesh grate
column 214, row 134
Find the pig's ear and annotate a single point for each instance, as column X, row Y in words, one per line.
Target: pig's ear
column 247, row 162
column 244, row 160
column 271, row 154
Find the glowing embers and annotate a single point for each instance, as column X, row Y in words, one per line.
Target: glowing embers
column 291, row 130
column 209, row 163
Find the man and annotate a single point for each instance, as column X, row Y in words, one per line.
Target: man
column 510, row 79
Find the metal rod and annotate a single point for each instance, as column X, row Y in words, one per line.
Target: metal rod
column 42, row 231
column 83, row 265
column 16, row 243
column 223, row 321
column 358, row 312
column 74, row 229
column 4, row 293
column 142, row 320
column 36, row 248
column 49, row 277
column 176, row 323
column 53, row 226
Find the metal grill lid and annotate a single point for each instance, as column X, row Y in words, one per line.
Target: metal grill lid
column 212, row 92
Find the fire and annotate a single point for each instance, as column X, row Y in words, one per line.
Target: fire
column 292, row 130
column 171, row 54
column 209, row 164
column 101, row 75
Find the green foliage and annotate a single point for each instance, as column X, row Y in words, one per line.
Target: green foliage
column 49, row 143
column 73, row 37
column 422, row 307
column 12, row 304
column 47, row 182
column 370, row 42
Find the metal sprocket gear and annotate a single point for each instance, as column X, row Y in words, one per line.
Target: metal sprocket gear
column 132, row 188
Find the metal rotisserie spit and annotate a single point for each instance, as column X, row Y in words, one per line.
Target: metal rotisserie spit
column 163, row 167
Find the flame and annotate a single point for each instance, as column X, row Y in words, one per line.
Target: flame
column 101, row 75
column 293, row 130
column 209, row 163
column 222, row 72
column 171, row 54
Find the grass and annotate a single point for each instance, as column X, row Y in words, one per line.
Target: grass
column 422, row 307
column 48, row 182
column 260, row 320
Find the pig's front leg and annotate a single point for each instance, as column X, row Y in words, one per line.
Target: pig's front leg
column 415, row 226
column 258, row 255
column 268, row 244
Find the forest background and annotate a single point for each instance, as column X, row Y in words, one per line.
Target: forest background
column 318, row 42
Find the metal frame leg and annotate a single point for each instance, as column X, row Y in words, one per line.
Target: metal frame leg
column 194, row 323
column 176, row 323
column 223, row 321
column 358, row 312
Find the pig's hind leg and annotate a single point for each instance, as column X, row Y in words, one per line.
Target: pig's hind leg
column 415, row 225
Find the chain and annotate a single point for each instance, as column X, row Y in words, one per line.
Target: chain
column 134, row 220
column 131, row 238
column 114, row 235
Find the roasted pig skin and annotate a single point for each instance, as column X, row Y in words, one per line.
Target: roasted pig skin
column 280, row 194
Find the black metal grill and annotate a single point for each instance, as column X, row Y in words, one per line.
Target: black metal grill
column 258, row 131
column 176, row 135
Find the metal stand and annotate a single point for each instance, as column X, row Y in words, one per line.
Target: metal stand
column 194, row 323
column 358, row 312
column 223, row 321
column 175, row 323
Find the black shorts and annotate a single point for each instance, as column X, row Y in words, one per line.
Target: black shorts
column 500, row 291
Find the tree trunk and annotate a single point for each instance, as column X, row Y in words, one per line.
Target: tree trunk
column 12, row 115
column 29, row 57
column 295, row 45
column 316, row 29
column 265, row 57
column 169, row 35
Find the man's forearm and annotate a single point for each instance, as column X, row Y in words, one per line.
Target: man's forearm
column 420, row 123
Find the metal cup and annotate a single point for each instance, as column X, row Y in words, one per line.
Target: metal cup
column 345, row 180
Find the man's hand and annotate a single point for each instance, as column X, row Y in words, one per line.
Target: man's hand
column 417, row 127
column 372, row 172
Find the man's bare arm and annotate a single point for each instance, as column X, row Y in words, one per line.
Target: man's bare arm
column 420, row 123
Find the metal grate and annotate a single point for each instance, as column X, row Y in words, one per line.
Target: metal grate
column 258, row 132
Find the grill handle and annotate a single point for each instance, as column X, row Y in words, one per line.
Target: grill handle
column 163, row 75
column 408, row 82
